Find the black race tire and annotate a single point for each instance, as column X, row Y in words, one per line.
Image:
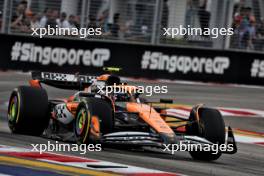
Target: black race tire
column 93, row 107
column 30, row 111
column 212, row 129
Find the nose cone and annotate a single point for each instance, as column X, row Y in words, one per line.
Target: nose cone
column 151, row 117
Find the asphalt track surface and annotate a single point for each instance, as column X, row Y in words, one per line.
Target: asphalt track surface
column 248, row 161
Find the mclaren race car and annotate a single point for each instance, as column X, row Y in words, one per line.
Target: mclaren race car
column 121, row 118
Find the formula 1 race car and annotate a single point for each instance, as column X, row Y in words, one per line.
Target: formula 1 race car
column 120, row 118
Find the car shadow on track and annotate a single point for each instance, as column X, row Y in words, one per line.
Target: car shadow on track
column 25, row 141
column 159, row 154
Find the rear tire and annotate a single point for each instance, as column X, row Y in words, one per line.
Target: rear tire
column 28, row 110
column 83, row 120
column 212, row 128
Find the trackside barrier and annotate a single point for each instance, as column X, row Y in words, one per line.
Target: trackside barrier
column 145, row 61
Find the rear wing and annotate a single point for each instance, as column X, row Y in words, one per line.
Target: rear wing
column 64, row 81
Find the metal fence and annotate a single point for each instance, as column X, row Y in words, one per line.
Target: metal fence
column 143, row 20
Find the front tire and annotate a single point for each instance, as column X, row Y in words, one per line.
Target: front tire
column 28, row 111
column 211, row 127
column 93, row 118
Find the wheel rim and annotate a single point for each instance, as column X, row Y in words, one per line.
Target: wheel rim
column 81, row 121
column 12, row 115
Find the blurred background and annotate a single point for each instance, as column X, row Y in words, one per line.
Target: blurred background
column 196, row 69
column 141, row 21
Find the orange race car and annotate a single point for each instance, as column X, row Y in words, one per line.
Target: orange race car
column 123, row 118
